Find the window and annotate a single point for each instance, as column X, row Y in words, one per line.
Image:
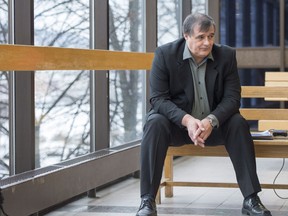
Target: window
column 62, row 98
column 126, row 88
column 4, row 96
column 169, row 21
column 199, row 6
column 249, row 23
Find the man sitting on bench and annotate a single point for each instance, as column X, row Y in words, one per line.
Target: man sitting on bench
column 195, row 98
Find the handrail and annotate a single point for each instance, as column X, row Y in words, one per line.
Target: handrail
column 30, row 58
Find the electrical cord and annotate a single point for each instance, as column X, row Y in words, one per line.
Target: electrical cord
column 281, row 197
column 1, row 207
column 1, row 202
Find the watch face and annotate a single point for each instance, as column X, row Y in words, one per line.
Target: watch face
column 212, row 122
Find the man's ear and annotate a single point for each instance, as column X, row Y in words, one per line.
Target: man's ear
column 185, row 36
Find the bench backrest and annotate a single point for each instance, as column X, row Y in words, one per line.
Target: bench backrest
column 275, row 89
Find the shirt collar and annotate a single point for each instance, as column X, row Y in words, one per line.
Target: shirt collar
column 187, row 54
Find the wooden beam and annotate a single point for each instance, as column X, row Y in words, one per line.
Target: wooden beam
column 24, row 58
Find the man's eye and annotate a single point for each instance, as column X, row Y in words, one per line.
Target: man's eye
column 211, row 36
column 200, row 37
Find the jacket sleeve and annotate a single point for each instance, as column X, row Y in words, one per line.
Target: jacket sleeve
column 160, row 90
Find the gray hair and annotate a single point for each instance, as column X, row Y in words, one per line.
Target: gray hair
column 192, row 20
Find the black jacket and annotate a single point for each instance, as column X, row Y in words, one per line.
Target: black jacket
column 172, row 90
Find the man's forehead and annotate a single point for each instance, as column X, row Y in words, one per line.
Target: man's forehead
column 197, row 30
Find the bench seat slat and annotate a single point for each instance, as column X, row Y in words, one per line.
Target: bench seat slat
column 276, row 76
column 264, row 114
column 264, row 92
column 272, row 124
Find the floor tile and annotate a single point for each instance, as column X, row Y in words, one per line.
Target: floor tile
column 123, row 198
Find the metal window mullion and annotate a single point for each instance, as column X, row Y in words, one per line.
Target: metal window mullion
column 23, row 124
column 150, row 39
column 214, row 11
column 101, row 78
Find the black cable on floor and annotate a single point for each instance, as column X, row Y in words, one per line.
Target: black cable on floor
column 281, row 197
column 1, row 202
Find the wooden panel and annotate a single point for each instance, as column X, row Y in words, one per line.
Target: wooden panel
column 272, row 151
column 272, row 124
column 274, row 83
column 276, row 76
column 24, row 58
column 263, row 91
column 276, row 79
column 273, row 143
column 264, row 114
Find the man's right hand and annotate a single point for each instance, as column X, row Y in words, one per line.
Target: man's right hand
column 194, row 128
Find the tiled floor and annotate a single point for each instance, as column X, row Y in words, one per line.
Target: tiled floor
column 123, row 199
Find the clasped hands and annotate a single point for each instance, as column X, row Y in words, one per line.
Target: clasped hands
column 198, row 130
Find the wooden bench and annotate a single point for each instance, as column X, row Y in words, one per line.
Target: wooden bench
column 276, row 88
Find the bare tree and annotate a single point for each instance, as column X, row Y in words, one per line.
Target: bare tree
column 62, row 98
column 126, row 96
column 4, row 124
column 169, row 21
column 4, row 100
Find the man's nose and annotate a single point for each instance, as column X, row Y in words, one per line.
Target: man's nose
column 206, row 40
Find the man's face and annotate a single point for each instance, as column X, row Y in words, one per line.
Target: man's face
column 200, row 43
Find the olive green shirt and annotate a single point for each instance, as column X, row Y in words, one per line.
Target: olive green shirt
column 200, row 109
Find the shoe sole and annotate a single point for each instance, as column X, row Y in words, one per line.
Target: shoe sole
column 246, row 212
column 155, row 214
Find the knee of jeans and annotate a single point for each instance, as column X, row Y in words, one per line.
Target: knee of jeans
column 158, row 122
column 239, row 121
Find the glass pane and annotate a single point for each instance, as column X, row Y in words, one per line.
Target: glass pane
column 249, row 23
column 169, row 21
column 4, row 96
column 4, row 124
column 199, row 6
column 62, row 98
column 126, row 87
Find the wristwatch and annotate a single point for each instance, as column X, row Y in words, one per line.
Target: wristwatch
column 212, row 122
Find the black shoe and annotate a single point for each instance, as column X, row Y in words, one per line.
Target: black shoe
column 147, row 207
column 253, row 206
